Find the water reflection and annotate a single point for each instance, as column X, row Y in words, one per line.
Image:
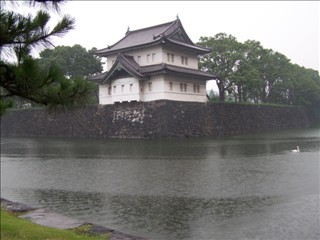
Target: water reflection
column 240, row 187
column 173, row 215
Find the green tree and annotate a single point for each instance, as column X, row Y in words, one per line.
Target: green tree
column 248, row 72
column 305, row 87
column 212, row 96
column 222, row 61
column 274, row 72
column 74, row 61
column 25, row 78
column 247, row 75
column 247, row 82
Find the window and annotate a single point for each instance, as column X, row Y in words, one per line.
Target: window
column 139, row 59
column 170, row 57
column 196, row 88
column 122, row 87
column 131, row 85
column 148, row 57
column 150, row 86
column 153, row 57
column 183, row 87
column 170, row 85
column 114, row 89
column 109, row 90
column 184, row 60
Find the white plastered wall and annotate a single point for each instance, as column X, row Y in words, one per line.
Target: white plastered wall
column 169, row 88
column 144, row 57
column 120, row 90
column 185, row 89
column 192, row 61
column 158, row 55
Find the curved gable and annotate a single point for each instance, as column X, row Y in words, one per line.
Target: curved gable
column 123, row 66
column 179, row 36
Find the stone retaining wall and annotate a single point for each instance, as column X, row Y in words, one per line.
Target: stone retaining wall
column 153, row 120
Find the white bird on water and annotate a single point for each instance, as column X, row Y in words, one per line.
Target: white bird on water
column 296, row 150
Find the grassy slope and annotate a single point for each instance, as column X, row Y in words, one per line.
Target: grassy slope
column 13, row 228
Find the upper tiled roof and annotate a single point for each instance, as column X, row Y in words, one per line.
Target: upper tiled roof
column 150, row 36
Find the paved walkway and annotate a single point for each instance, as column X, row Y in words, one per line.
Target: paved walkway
column 53, row 220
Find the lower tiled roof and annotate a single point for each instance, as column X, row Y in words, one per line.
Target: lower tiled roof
column 128, row 64
column 166, row 68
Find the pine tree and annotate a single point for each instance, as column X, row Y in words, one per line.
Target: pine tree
column 25, row 78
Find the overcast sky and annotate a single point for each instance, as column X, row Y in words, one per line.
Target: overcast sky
column 289, row 27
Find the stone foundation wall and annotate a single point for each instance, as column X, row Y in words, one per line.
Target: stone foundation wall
column 155, row 119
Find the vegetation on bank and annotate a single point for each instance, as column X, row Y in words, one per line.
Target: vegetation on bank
column 247, row 72
column 253, row 104
column 13, row 228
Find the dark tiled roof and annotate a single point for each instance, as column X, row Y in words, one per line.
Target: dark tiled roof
column 97, row 78
column 128, row 64
column 122, row 62
column 166, row 68
column 150, row 36
column 194, row 48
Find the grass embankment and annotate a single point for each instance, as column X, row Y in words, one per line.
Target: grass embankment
column 13, row 228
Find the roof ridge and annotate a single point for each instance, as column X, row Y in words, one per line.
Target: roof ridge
column 168, row 28
column 134, row 31
column 146, row 28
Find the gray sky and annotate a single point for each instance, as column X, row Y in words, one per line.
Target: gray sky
column 289, row 27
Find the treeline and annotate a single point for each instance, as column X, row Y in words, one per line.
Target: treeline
column 247, row 72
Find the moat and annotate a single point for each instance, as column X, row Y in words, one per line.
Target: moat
column 237, row 187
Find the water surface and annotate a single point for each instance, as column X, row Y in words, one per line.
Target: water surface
column 240, row 187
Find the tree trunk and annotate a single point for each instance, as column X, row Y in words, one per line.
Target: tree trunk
column 221, row 91
column 239, row 93
column 263, row 95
